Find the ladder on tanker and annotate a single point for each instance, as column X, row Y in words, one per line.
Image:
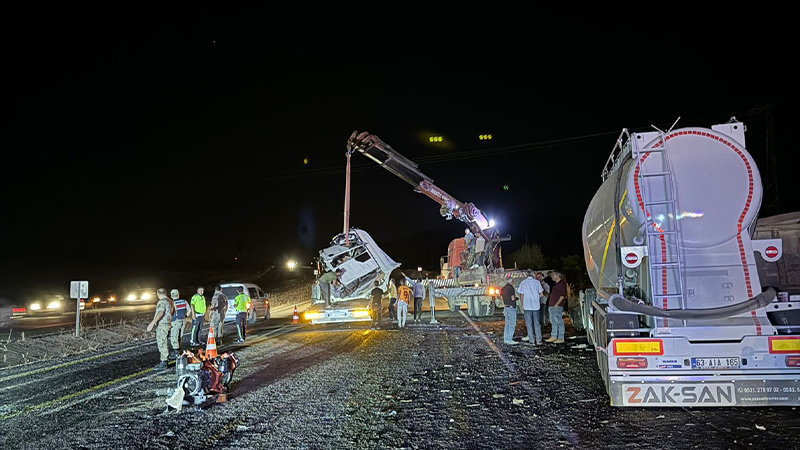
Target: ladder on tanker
column 662, row 226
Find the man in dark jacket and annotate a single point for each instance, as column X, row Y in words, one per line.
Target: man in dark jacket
column 509, row 295
column 377, row 305
column 555, row 302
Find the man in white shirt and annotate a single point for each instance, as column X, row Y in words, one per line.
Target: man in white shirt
column 529, row 291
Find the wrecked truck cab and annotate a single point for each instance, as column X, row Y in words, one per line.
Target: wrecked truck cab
column 362, row 263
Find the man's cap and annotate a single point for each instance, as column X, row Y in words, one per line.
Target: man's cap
column 162, row 291
column 174, row 293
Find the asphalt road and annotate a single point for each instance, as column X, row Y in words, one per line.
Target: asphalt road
column 46, row 324
column 452, row 385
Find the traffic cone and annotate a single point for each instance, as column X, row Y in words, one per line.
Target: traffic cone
column 211, row 344
column 295, row 317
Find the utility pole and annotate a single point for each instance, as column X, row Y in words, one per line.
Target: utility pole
column 348, row 153
column 770, row 174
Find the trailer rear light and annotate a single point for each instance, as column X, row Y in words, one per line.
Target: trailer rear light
column 784, row 344
column 793, row 361
column 638, row 347
column 18, row 310
column 313, row 315
column 361, row 313
column 632, row 363
column 493, row 291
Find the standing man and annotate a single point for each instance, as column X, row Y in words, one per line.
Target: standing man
column 377, row 305
column 469, row 241
column 530, row 291
column 240, row 303
column 391, row 291
column 558, row 295
column 164, row 310
column 480, row 250
column 432, row 300
column 219, row 306
column 198, row 314
column 178, row 322
column 543, row 311
column 509, row 312
column 419, row 292
column 403, row 297
column 325, row 283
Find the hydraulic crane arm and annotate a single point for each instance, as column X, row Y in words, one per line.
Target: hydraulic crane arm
column 383, row 154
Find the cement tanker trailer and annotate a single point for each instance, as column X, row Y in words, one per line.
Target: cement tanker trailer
column 678, row 315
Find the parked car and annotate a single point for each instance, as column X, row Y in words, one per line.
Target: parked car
column 259, row 301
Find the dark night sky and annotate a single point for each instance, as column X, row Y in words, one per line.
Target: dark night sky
column 178, row 134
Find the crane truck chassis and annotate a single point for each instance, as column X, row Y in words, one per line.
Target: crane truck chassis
column 477, row 286
column 678, row 316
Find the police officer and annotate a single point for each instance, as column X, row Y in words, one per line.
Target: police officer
column 219, row 306
column 240, row 303
column 198, row 314
column 164, row 310
column 178, row 322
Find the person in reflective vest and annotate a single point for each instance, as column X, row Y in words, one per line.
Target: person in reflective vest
column 240, row 303
column 198, row 315
column 178, row 322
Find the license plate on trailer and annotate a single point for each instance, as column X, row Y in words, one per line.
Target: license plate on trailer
column 337, row 314
column 715, row 363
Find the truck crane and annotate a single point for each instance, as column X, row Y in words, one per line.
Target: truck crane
column 678, row 315
column 362, row 262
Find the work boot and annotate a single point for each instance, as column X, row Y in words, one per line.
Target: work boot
column 550, row 339
column 558, row 341
column 161, row 366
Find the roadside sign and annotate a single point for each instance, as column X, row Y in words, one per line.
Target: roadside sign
column 79, row 289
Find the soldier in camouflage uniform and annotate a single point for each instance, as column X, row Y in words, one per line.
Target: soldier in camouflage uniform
column 165, row 308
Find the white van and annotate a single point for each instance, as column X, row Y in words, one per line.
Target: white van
column 259, row 302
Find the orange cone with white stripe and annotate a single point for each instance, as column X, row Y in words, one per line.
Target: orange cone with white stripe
column 211, row 344
column 295, row 317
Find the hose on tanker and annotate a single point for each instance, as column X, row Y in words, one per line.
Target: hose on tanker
column 759, row 301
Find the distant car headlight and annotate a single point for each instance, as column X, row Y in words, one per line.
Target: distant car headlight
column 53, row 305
column 112, row 299
column 132, row 297
column 96, row 300
column 145, row 296
column 36, row 306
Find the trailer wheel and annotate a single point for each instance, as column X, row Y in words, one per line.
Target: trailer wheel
column 451, row 303
column 487, row 310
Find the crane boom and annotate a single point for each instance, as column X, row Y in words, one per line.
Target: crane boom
column 382, row 153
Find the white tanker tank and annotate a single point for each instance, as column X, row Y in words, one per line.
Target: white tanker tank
column 678, row 314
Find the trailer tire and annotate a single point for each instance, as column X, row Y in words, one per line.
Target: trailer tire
column 471, row 307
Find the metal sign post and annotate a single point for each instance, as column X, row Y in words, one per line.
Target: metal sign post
column 78, row 290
